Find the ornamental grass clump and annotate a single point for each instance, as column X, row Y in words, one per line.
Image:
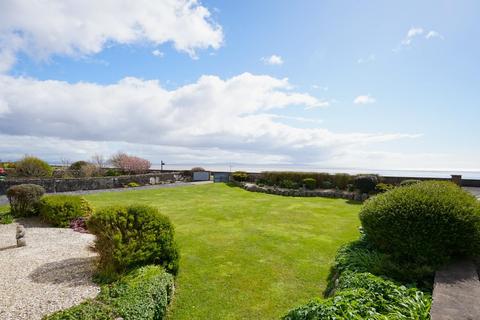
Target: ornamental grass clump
column 425, row 224
column 133, row 236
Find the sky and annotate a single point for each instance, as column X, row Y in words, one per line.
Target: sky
column 272, row 83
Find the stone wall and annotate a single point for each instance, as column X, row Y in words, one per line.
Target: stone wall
column 93, row 183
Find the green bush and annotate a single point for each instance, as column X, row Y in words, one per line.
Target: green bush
column 383, row 187
column 341, row 180
column 24, row 199
column 60, row 210
column 365, row 296
column 112, row 173
column 133, row 236
column 133, row 185
column 32, row 167
column 88, row 310
column 327, row 184
column 365, row 183
column 409, row 182
column 77, row 165
column 424, row 224
column 288, row 184
column 143, row 294
column 310, row 183
column 240, row 176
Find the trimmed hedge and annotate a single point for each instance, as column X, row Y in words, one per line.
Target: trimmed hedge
column 24, row 199
column 133, row 236
column 60, row 210
column 365, row 296
column 425, row 224
column 143, row 294
column 276, row 178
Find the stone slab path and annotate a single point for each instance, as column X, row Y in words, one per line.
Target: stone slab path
column 4, row 200
column 54, row 271
column 456, row 293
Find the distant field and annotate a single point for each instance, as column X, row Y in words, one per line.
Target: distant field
column 247, row 255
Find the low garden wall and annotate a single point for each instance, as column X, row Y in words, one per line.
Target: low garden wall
column 92, row 183
column 304, row 192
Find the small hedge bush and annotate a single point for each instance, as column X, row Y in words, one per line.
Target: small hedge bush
column 24, row 199
column 143, row 294
column 240, row 176
column 310, row 183
column 32, row 167
column 77, row 165
column 365, row 183
column 133, row 185
column 133, row 236
column 365, row 296
column 60, row 210
column 425, row 223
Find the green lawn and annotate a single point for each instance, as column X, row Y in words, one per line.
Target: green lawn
column 247, row 255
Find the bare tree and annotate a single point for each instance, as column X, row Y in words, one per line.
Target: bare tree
column 99, row 160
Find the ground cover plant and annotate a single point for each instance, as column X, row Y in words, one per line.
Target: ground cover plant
column 246, row 255
column 140, row 295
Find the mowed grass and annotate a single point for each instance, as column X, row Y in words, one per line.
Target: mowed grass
column 246, row 255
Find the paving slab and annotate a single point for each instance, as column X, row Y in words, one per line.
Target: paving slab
column 456, row 292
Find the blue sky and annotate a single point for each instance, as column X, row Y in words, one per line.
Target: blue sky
column 412, row 67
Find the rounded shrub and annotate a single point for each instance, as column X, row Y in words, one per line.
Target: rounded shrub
column 77, row 165
column 61, row 210
column 310, row 183
column 24, row 199
column 133, row 236
column 425, row 223
column 365, row 183
column 32, row 167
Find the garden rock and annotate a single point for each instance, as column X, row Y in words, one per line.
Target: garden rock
column 21, row 242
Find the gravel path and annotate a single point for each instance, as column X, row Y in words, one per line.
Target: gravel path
column 52, row 272
column 4, row 200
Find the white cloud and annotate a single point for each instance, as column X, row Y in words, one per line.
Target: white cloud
column 228, row 119
column 370, row 58
column 273, row 60
column 157, row 53
column 415, row 32
column 434, row 34
column 41, row 29
column 364, row 99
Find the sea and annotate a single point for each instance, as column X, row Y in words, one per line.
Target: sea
column 425, row 173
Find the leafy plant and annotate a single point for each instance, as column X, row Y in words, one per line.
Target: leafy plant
column 365, row 183
column 288, row 184
column 383, row 187
column 240, row 176
column 142, row 294
column 327, row 184
column 365, row 296
column 310, row 183
column 133, row 236
column 112, row 173
column 31, row 166
column 77, row 165
column 24, row 199
column 133, row 185
column 425, row 224
column 60, row 210
column 5, row 216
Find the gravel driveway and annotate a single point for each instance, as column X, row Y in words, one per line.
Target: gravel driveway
column 52, row 272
